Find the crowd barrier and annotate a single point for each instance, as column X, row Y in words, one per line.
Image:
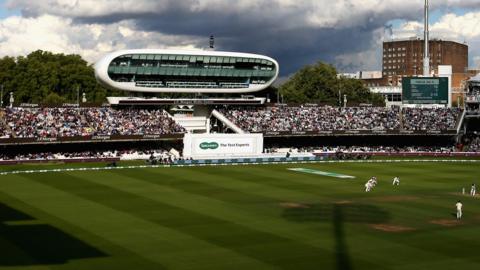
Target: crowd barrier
column 248, row 160
column 407, row 154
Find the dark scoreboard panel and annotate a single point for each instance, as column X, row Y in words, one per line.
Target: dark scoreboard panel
column 425, row 90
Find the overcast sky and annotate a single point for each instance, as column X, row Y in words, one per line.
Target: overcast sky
column 346, row 33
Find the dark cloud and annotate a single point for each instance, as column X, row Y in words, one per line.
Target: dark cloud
column 293, row 47
column 274, row 28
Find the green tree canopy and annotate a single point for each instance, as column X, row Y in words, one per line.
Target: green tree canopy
column 319, row 83
column 47, row 77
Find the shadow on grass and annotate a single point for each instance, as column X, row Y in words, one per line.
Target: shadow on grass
column 24, row 242
column 338, row 214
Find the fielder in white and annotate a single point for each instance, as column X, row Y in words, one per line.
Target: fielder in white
column 368, row 186
column 374, row 181
column 459, row 206
column 473, row 190
column 396, row 181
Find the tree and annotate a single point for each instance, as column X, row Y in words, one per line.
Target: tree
column 319, row 83
column 7, row 66
column 46, row 77
column 53, row 98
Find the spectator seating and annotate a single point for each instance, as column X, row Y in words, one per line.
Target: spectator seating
column 69, row 122
column 313, row 118
column 326, row 118
column 430, row 119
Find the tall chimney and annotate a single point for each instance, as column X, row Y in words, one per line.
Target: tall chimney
column 426, row 56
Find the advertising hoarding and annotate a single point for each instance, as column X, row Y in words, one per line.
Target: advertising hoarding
column 219, row 145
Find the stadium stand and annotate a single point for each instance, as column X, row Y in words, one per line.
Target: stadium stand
column 328, row 118
column 70, row 122
column 472, row 144
column 430, row 118
column 52, row 127
column 21, row 122
column 107, row 121
column 43, row 122
column 369, row 149
column 313, row 118
column 3, row 129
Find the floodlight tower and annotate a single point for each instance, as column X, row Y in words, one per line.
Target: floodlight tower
column 212, row 42
column 426, row 56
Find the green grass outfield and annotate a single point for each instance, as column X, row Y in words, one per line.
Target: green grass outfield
column 240, row 217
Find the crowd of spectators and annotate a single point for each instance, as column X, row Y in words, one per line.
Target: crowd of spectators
column 59, row 155
column 69, row 122
column 326, row 118
column 472, row 144
column 392, row 149
column 44, row 122
column 369, row 149
column 106, row 121
column 430, row 118
column 3, row 130
column 313, row 118
column 20, row 122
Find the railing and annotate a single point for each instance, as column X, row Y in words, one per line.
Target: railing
column 472, row 99
column 233, row 85
column 180, row 84
column 460, row 121
column 149, row 83
column 227, row 122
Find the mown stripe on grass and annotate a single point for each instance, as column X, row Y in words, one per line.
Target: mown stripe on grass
column 221, row 210
column 211, row 185
column 367, row 244
column 263, row 210
column 262, row 181
column 446, row 244
column 147, row 239
column 117, row 257
column 195, row 215
column 268, row 184
column 307, row 184
column 264, row 178
column 59, row 170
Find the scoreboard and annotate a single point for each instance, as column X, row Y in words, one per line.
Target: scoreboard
column 425, row 90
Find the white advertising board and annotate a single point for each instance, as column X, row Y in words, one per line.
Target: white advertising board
column 217, row 145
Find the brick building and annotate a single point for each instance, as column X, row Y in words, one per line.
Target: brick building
column 403, row 58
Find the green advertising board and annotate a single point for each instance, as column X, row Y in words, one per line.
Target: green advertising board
column 425, row 90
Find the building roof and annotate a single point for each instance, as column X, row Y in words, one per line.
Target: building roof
column 475, row 78
column 421, row 39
